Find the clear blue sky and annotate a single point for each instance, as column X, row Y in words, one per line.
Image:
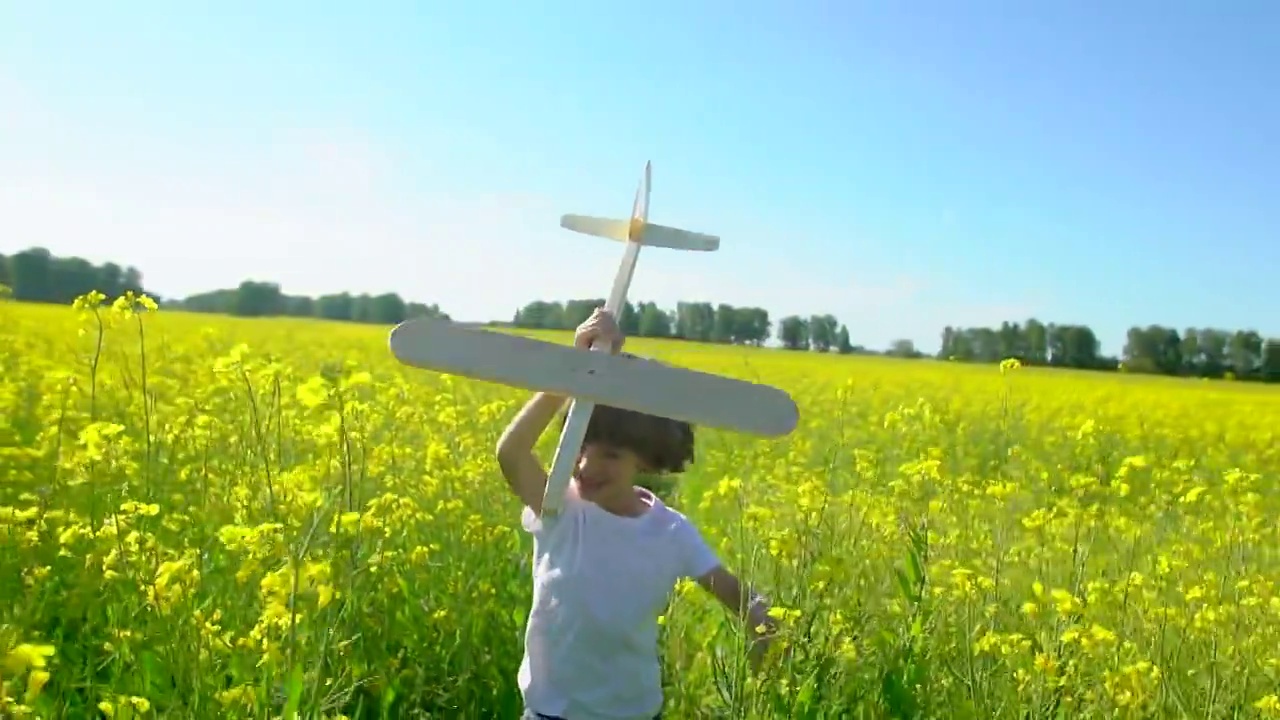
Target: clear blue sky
column 960, row 162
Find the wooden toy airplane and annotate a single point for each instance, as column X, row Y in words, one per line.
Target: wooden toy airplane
column 599, row 377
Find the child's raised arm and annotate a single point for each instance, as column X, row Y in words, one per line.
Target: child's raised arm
column 523, row 471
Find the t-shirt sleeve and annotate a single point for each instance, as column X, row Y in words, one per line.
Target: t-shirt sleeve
column 535, row 525
column 697, row 556
column 529, row 521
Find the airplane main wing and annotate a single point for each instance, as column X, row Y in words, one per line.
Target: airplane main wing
column 633, row 383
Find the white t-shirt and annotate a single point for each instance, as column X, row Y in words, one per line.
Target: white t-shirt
column 600, row 581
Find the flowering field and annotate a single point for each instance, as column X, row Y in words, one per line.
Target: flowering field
column 207, row 517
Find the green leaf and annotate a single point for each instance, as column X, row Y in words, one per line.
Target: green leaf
column 294, row 696
column 904, row 586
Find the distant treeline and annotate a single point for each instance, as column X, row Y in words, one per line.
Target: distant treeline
column 1201, row 352
column 261, row 299
column 35, row 275
column 697, row 321
column 1193, row 352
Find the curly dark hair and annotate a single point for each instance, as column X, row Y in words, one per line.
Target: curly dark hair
column 663, row 445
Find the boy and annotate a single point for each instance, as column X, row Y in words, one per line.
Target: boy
column 605, row 566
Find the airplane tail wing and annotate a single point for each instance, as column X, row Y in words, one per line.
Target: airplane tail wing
column 650, row 234
column 669, row 237
column 600, row 227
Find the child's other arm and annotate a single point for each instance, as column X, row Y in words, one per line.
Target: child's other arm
column 520, row 466
column 750, row 608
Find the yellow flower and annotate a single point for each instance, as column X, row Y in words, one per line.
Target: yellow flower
column 27, row 656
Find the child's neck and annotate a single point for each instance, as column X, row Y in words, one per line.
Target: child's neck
column 632, row 503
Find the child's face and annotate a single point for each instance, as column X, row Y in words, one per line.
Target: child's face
column 606, row 472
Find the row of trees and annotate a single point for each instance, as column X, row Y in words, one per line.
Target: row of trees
column 699, row 321
column 1193, row 352
column 1033, row 342
column 1201, row 352
column 261, row 299
column 35, row 275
